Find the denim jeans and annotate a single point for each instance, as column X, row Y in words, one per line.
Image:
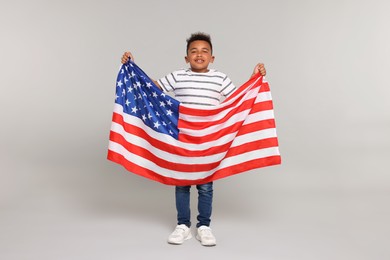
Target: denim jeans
column 205, row 201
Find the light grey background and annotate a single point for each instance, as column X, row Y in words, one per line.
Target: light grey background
column 327, row 64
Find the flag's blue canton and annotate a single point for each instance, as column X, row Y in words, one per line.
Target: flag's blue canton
column 140, row 97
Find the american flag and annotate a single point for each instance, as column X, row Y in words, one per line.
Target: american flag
column 155, row 136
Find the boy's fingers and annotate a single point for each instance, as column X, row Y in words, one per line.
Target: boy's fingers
column 124, row 59
column 129, row 55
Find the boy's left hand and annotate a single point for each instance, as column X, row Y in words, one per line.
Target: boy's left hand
column 260, row 68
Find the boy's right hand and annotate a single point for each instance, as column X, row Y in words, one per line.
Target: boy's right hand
column 126, row 56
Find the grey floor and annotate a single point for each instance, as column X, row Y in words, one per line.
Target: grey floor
column 95, row 210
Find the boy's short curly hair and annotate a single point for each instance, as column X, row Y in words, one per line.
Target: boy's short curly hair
column 199, row 36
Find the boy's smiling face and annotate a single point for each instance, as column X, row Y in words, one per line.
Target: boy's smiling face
column 199, row 55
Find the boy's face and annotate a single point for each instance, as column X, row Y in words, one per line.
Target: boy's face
column 199, row 56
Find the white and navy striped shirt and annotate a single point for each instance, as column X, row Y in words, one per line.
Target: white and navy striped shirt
column 198, row 89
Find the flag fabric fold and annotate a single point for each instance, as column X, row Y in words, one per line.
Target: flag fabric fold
column 154, row 136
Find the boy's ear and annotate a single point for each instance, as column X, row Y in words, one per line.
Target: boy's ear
column 186, row 58
column 212, row 59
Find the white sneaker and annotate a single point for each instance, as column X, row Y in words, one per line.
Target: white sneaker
column 205, row 236
column 179, row 235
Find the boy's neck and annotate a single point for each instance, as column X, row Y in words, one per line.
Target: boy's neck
column 202, row 71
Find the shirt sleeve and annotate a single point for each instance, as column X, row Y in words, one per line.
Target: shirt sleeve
column 168, row 82
column 227, row 87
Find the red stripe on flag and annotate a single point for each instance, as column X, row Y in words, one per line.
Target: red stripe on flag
column 247, row 166
column 252, row 146
column 204, row 124
column 256, row 126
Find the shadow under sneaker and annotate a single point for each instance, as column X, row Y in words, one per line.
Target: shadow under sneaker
column 179, row 235
column 205, row 236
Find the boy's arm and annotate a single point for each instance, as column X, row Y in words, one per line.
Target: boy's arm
column 125, row 58
column 259, row 68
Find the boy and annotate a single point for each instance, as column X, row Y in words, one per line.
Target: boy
column 197, row 86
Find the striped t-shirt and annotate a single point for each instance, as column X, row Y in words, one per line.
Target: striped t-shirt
column 197, row 89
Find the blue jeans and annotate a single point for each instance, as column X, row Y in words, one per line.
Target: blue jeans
column 205, row 201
